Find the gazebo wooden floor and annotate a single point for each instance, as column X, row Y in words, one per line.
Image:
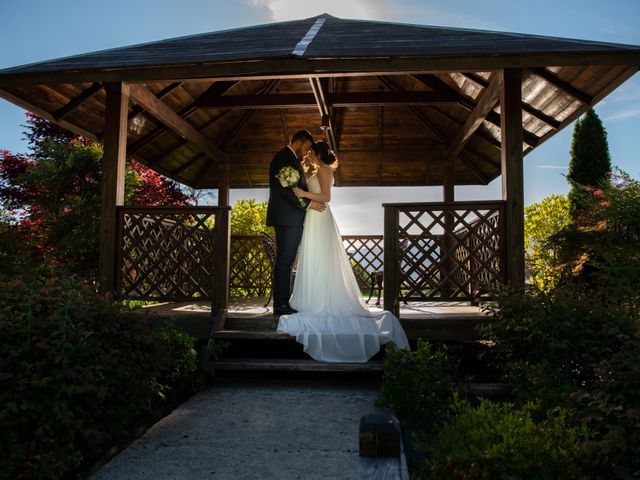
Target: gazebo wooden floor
column 248, row 319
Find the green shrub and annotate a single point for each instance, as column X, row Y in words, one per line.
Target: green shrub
column 418, row 385
column 182, row 368
column 541, row 221
column 547, row 344
column 75, row 375
column 610, row 408
column 601, row 248
column 502, row 441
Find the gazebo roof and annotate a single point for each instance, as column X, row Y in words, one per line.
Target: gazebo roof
column 402, row 101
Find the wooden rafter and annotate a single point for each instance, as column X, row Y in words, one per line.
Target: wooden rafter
column 423, row 119
column 187, row 164
column 439, row 135
column 85, row 95
column 335, row 100
column 137, row 109
column 161, row 112
column 47, row 115
column 207, row 125
column 486, row 103
column 247, row 116
column 218, row 87
column 467, row 102
column 566, row 87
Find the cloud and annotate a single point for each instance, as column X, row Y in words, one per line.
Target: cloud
column 558, row 167
column 282, row 10
column 623, row 114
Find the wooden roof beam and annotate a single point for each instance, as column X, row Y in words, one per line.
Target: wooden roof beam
column 560, row 84
column 137, row 109
column 487, row 102
column 320, row 89
column 335, row 100
column 161, row 112
column 85, row 95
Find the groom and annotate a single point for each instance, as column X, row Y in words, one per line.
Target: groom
column 286, row 214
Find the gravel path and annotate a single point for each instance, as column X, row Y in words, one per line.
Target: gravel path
column 271, row 430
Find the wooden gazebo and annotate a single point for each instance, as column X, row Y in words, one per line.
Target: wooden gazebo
column 401, row 104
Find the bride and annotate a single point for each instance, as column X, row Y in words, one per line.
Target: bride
column 332, row 321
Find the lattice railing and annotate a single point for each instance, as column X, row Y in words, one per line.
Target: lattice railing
column 167, row 253
column 250, row 267
column 250, row 270
column 453, row 250
column 365, row 254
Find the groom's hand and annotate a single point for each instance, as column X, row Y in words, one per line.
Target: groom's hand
column 317, row 206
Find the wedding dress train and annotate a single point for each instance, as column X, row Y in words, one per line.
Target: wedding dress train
column 332, row 322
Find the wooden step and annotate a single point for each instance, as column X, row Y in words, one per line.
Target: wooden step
column 252, row 335
column 294, row 365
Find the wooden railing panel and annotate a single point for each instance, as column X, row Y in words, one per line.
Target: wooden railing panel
column 169, row 253
column 455, row 250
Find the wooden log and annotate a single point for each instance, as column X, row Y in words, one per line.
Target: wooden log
column 379, row 436
column 113, row 168
column 512, row 175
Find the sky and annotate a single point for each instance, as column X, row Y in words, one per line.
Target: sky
column 35, row 30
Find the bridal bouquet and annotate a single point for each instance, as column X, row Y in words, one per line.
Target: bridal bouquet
column 288, row 177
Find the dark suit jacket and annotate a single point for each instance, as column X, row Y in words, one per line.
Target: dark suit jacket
column 284, row 207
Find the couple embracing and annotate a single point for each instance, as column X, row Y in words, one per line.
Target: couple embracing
column 325, row 311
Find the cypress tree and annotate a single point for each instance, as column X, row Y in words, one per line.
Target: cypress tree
column 590, row 160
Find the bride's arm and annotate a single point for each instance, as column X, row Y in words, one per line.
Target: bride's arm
column 325, row 176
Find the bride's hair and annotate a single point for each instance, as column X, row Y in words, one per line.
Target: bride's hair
column 325, row 153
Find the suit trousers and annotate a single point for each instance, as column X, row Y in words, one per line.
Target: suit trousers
column 287, row 242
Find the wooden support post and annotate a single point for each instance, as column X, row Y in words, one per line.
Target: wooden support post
column 220, row 304
column 223, row 185
column 113, row 172
column 447, row 260
column 391, row 261
column 448, row 184
column 512, row 176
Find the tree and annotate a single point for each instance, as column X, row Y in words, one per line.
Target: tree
column 55, row 194
column 542, row 221
column 249, row 218
column 590, row 161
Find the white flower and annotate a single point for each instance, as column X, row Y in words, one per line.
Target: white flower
column 288, row 176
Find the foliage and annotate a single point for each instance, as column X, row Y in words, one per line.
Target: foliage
column 418, row 385
column 503, row 441
column 56, row 194
column 610, row 409
column 362, row 276
column 182, row 369
column 543, row 220
column 75, row 374
column 590, row 160
column 547, row 343
column 601, row 248
column 249, row 218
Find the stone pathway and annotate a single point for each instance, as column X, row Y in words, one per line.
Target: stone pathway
column 270, row 430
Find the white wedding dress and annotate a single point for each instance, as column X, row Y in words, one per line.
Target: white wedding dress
column 332, row 322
